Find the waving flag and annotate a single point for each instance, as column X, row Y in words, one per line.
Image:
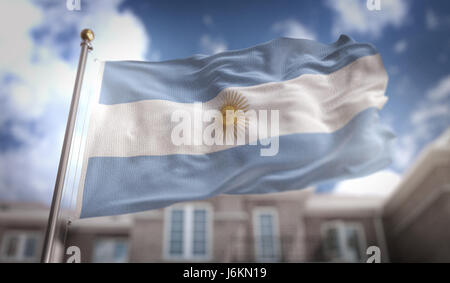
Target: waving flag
column 320, row 104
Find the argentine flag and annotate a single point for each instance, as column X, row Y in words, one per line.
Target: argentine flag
column 173, row 131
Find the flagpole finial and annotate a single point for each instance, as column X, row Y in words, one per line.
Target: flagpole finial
column 87, row 35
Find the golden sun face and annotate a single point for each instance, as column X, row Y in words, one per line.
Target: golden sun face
column 231, row 118
column 233, row 108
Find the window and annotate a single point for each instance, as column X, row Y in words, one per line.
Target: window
column 199, row 232
column 343, row 241
column 111, row 250
column 189, row 232
column 266, row 234
column 20, row 246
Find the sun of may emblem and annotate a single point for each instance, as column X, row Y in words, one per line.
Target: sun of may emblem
column 233, row 109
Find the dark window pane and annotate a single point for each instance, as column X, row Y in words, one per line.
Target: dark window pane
column 176, row 232
column 353, row 243
column 121, row 251
column 30, row 247
column 11, row 248
column 111, row 250
column 199, row 232
column 331, row 244
column 267, row 236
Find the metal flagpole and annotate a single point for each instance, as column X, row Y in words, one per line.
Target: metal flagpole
column 87, row 36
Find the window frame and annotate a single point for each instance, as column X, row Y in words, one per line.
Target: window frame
column 22, row 236
column 188, row 230
column 276, row 233
column 344, row 250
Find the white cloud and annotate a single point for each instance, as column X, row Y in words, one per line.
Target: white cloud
column 119, row 35
column 212, row 45
column 431, row 20
column 435, row 107
column 380, row 184
column 401, row 46
column 34, row 101
column 434, row 21
column 353, row 16
column 294, row 29
column 428, row 112
column 404, row 151
column 208, row 21
column 42, row 73
column 441, row 91
column 16, row 44
column 394, row 70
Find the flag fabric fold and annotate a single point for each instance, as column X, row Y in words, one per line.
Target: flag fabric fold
column 328, row 98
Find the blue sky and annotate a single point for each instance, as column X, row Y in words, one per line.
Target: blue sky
column 40, row 51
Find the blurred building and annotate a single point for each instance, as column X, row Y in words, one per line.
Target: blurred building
column 417, row 216
column 300, row 226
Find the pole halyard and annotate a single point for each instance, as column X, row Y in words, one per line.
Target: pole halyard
column 87, row 36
